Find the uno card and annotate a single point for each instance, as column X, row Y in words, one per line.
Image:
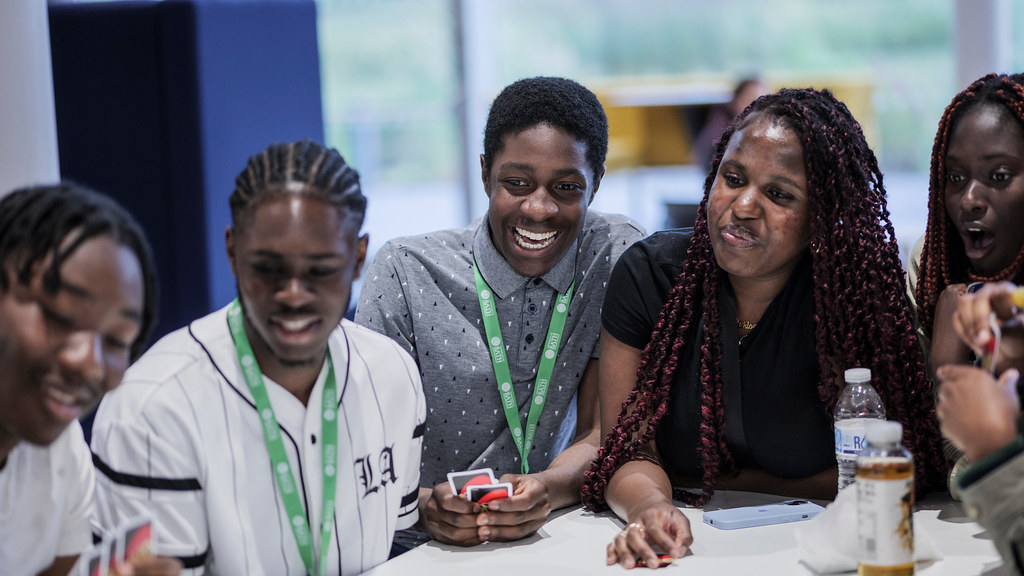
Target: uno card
column 460, row 480
column 89, row 563
column 989, row 357
column 107, row 561
column 663, row 560
column 488, row 492
column 133, row 540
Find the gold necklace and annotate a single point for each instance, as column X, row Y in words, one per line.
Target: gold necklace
column 744, row 325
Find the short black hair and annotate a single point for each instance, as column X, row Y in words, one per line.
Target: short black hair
column 560, row 102
column 35, row 222
column 318, row 171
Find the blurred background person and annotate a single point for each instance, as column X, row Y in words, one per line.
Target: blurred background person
column 721, row 115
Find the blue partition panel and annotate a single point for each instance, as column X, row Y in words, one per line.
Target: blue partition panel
column 160, row 103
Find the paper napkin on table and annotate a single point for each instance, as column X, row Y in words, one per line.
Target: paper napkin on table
column 828, row 542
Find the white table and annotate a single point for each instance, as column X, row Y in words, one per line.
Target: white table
column 573, row 542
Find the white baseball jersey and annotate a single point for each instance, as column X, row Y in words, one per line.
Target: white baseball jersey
column 45, row 503
column 181, row 440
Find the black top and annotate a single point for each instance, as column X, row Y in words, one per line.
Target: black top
column 786, row 429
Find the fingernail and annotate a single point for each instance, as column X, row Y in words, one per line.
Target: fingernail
column 483, row 520
column 485, row 534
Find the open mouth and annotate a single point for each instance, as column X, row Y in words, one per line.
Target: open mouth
column 977, row 241
column 533, row 240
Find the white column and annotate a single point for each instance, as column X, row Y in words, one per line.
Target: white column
column 28, row 125
column 982, row 36
column 479, row 58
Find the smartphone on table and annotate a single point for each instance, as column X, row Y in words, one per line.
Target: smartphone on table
column 749, row 516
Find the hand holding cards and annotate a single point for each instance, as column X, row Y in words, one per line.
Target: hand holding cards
column 130, row 543
column 988, row 357
column 479, row 486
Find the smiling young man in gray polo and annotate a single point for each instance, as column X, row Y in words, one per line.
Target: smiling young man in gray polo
column 503, row 316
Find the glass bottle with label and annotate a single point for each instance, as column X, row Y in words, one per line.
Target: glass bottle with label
column 885, row 503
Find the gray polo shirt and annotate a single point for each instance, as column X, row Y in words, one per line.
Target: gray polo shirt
column 420, row 291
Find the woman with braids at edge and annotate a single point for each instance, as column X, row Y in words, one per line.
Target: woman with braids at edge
column 975, row 205
column 736, row 333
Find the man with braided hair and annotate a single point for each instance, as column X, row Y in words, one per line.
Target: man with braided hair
column 723, row 346
column 975, row 206
column 272, row 436
column 514, row 390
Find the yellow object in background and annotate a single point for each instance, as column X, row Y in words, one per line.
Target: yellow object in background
column 1018, row 297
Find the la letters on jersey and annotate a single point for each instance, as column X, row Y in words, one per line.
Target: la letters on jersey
column 376, row 472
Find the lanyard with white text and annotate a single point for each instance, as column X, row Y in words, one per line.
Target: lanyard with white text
column 279, row 458
column 496, row 344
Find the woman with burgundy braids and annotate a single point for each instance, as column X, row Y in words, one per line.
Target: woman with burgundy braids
column 975, row 207
column 724, row 345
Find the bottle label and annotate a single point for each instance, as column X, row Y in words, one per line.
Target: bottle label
column 850, row 435
column 885, row 521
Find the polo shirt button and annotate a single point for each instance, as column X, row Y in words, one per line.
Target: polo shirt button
column 532, row 308
column 529, row 338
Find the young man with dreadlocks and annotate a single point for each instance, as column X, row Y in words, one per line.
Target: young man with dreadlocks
column 272, row 436
column 77, row 302
column 723, row 347
column 545, row 260
column 975, row 207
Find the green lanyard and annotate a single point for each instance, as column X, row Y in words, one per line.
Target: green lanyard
column 489, row 310
column 279, row 458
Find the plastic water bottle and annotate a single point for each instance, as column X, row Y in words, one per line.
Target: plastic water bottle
column 885, row 503
column 858, row 404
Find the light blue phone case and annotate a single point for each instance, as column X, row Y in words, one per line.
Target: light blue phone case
column 748, row 516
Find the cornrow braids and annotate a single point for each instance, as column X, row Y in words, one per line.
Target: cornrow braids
column 302, row 167
column 943, row 258
column 861, row 315
column 52, row 222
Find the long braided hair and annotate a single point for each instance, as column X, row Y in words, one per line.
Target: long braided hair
column 302, row 167
column 861, row 315
column 943, row 259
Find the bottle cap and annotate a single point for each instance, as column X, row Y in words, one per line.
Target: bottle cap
column 883, row 432
column 858, row 375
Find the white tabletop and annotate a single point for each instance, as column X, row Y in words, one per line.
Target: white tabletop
column 573, row 542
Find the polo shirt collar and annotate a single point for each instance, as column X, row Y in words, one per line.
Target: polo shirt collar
column 504, row 280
